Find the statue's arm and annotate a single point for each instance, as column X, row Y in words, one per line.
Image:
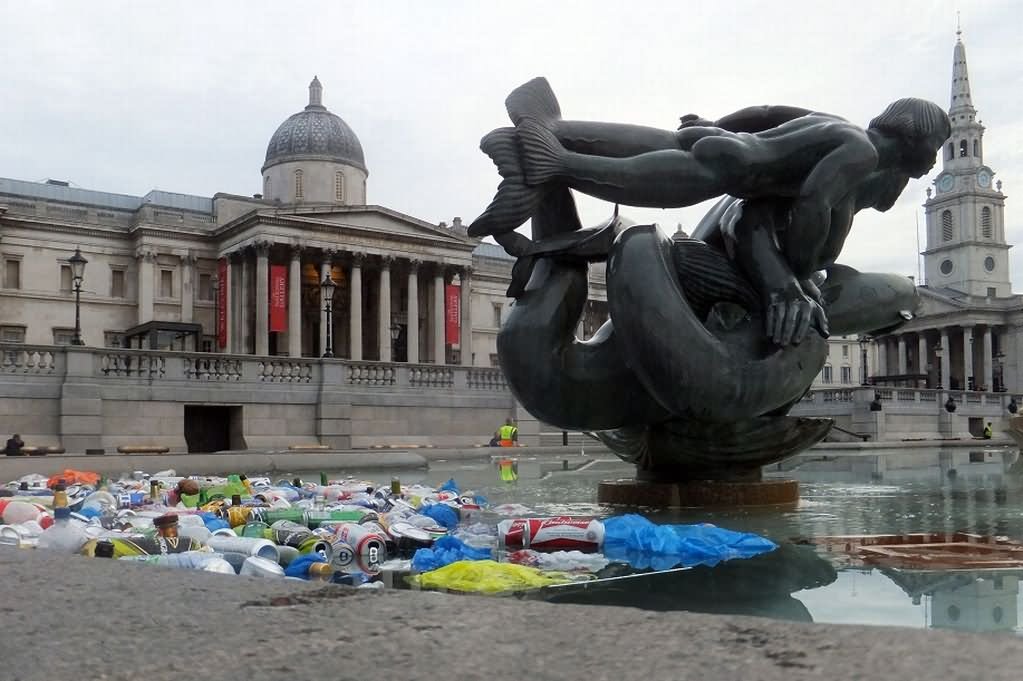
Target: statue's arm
column 758, row 118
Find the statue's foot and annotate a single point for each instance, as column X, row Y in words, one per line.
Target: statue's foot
column 515, row 201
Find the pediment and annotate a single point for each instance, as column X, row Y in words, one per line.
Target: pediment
column 937, row 303
column 375, row 220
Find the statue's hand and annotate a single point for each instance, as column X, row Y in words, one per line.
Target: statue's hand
column 789, row 314
column 692, row 120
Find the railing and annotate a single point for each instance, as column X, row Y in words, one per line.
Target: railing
column 840, row 395
column 213, row 368
column 431, row 377
column 131, row 364
column 27, row 359
column 486, row 379
column 285, row 371
column 371, row 373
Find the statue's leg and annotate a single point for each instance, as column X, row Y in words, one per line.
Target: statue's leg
column 617, row 140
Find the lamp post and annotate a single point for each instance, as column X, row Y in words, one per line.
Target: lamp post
column 939, row 352
column 327, row 288
column 78, row 263
column 999, row 371
column 215, row 284
column 864, row 342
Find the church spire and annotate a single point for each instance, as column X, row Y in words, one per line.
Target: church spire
column 315, row 94
column 962, row 103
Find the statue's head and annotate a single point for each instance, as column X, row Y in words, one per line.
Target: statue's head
column 919, row 128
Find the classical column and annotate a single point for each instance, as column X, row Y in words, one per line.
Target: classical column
column 989, row 367
column 147, row 279
column 384, row 310
column 244, row 310
column 235, row 342
column 295, row 303
column 967, row 356
column 228, row 302
column 355, row 320
column 438, row 316
column 325, row 271
column 465, row 306
column 903, row 369
column 882, row 356
column 921, row 353
column 946, row 361
column 263, row 298
column 188, row 287
column 412, row 331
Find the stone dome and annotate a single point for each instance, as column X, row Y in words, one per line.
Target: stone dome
column 315, row 134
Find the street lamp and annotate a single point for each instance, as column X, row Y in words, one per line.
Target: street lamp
column 327, row 289
column 215, row 284
column 395, row 331
column 864, row 342
column 939, row 352
column 78, row 263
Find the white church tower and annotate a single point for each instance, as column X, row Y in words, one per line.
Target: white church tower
column 966, row 249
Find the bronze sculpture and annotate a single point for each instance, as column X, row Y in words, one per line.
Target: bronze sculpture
column 712, row 338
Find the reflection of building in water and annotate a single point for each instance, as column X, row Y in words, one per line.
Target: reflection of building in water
column 967, row 601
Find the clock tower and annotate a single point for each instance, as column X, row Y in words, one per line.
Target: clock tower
column 966, row 248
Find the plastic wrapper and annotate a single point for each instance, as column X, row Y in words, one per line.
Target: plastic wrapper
column 488, row 577
column 445, row 551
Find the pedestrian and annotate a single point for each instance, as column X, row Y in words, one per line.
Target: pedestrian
column 987, row 431
column 14, row 446
column 507, row 435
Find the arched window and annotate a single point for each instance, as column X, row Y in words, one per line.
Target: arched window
column 951, row 151
column 946, row 225
column 339, row 186
column 976, row 147
column 298, row 184
column 963, row 149
column 985, row 222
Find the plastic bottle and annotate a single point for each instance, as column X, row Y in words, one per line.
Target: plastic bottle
column 255, row 566
column 60, row 495
column 66, row 535
column 193, row 560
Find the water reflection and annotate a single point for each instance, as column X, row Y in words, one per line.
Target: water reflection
column 973, row 490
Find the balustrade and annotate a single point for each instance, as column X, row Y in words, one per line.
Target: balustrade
column 285, row 371
column 213, row 368
column 133, row 364
column 28, row 360
column 431, row 377
column 486, row 379
column 371, row 374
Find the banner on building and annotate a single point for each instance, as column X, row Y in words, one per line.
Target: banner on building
column 278, row 297
column 452, row 314
column 222, row 303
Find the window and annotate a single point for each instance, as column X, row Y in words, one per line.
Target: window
column 12, row 273
column 826, row 378
column 976, row 147
column 339, row 186
column 846, row 375
column 113, row 339
column 992, row 292
column 207, row 344
column 166, row 283
column 497, row 314
column 989, row 264
column 845, row 352
column 946, row 225
column 298, row 184
column 951, row 151
column 985, row 222
column 65, row 279
column 12, row 333
column 963, row 149
column 117, row 284
column 946, row 267
column 205, row 287
column 62, row 336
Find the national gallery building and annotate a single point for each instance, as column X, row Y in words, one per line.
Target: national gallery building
column 246, row 275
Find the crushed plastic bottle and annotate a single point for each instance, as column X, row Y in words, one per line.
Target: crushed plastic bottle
column 65, row 535
column 193, row 560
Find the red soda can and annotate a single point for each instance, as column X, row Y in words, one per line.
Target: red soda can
column 562, row 533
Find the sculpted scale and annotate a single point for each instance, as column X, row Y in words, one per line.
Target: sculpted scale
column 712, row 337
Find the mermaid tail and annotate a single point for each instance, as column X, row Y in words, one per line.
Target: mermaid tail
column 542, row 153
column 535, row 100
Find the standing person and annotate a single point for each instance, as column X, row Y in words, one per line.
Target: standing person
column 508, row 434
column 14, row 446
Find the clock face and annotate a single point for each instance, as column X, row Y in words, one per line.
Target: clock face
column 945, row 183
column 984, row 178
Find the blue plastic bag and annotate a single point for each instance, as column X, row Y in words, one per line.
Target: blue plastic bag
column 445, row 551
column 634, row 539
column 214, row 522
column 449, row 486
column 300, row 566
column 444, row 515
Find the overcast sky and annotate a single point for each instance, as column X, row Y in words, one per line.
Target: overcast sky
column 184, row 96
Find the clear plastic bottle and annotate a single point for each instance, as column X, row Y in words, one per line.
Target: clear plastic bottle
column 194, row 560
column 65, row 535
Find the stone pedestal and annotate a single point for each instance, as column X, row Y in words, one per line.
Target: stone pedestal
column 698, row 493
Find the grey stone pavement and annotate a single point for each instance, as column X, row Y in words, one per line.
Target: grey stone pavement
column 80, row 618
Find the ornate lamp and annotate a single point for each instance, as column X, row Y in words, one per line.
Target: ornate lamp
column 327, row 288
column 77, row 263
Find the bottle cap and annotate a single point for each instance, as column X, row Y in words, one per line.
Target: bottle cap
column 60, row 487
column 166, row 520
column 321, row 571
column 61, row 513
column 236, row 500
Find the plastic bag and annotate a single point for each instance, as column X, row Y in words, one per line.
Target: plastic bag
column 445, row 551
column 489, row 577
column 73, row 477
column 449, row 486
column 300, row 566
column 634, row 539
column 442, row 514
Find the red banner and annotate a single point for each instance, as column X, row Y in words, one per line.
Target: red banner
column 221, row 321
column 452, row 314
column 278, row 297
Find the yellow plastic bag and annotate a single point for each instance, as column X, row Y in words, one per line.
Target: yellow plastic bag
column 488, row 577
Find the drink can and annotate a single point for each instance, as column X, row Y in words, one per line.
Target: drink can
column 552, row 534
column 145, row 546
column 289, row 533
column 367, row 543
column 271, row 516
